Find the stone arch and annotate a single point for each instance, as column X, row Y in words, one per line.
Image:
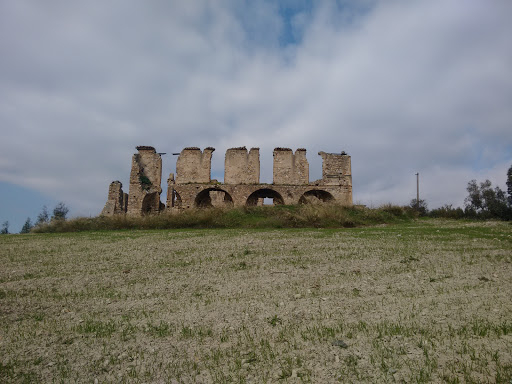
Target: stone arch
column 176, row 199
column 316, row 196
column 150, row 203
column 262, row 194
column 213, row 197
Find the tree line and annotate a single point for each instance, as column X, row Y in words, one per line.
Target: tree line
column 482, row 202
column 60, row 212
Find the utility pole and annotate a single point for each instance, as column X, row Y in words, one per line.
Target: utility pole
column 418, row 191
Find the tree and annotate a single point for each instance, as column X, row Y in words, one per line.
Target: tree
column 496, row 203
column 421, row 207
column 43, row 217
column 60, row 212
column 5, row 228
column 486, row 202
column 27, row 226
column 474, row 199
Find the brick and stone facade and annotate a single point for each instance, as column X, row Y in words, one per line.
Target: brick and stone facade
column 145, row 182
column 117, row 201
column 194, row 165
column 192, row 185
column 290, row 168
column 335, row 167
column 242, row 167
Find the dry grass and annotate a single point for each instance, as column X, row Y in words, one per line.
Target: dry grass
column 280, row 216
column 417, row 302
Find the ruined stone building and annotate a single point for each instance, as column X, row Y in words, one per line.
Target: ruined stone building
column 192, row 185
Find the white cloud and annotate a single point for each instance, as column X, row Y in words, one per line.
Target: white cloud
column 404, row 87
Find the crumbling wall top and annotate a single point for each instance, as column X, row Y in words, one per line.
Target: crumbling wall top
column 194, row 165
column 342, row 153
column 242, row 167
column 145, row 148
column 335, row 166
column 290, row 168
column 117, row 200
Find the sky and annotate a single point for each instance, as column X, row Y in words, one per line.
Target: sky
column 403, row 86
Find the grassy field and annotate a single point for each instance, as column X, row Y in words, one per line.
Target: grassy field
column 415, row 302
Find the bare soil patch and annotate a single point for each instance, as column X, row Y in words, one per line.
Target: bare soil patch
column 428, row 301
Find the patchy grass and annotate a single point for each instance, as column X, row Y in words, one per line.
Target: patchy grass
column 419, row 301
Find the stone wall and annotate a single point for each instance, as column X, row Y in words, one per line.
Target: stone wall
column 145, row 182
column 335, row 166
column 240, row 195
column 194, row 166
column 192, row 185
column 117, row 200
column 290, row 168
column 242, row 167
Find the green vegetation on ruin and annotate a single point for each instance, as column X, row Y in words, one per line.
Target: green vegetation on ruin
column 417, row 301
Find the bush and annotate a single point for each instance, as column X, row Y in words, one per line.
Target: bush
column 421, row 207
column 448, row 212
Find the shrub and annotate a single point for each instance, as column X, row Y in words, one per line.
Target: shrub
column 447, row 211
column 420, row 206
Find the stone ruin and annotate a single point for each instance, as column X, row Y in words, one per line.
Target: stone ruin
column 192, row 185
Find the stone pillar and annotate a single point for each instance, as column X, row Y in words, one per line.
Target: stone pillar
column 194, row 166
column 145, row 182
column 117, row 200
column 290, row 168
column 241, row 167
column 335, row 166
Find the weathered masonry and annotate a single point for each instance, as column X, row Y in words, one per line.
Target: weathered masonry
column 192, row 185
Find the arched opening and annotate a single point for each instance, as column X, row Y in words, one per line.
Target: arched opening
column 176, row 199
column 151, row 203
column 316, row 196
column 213, row 197
column 264, row 197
